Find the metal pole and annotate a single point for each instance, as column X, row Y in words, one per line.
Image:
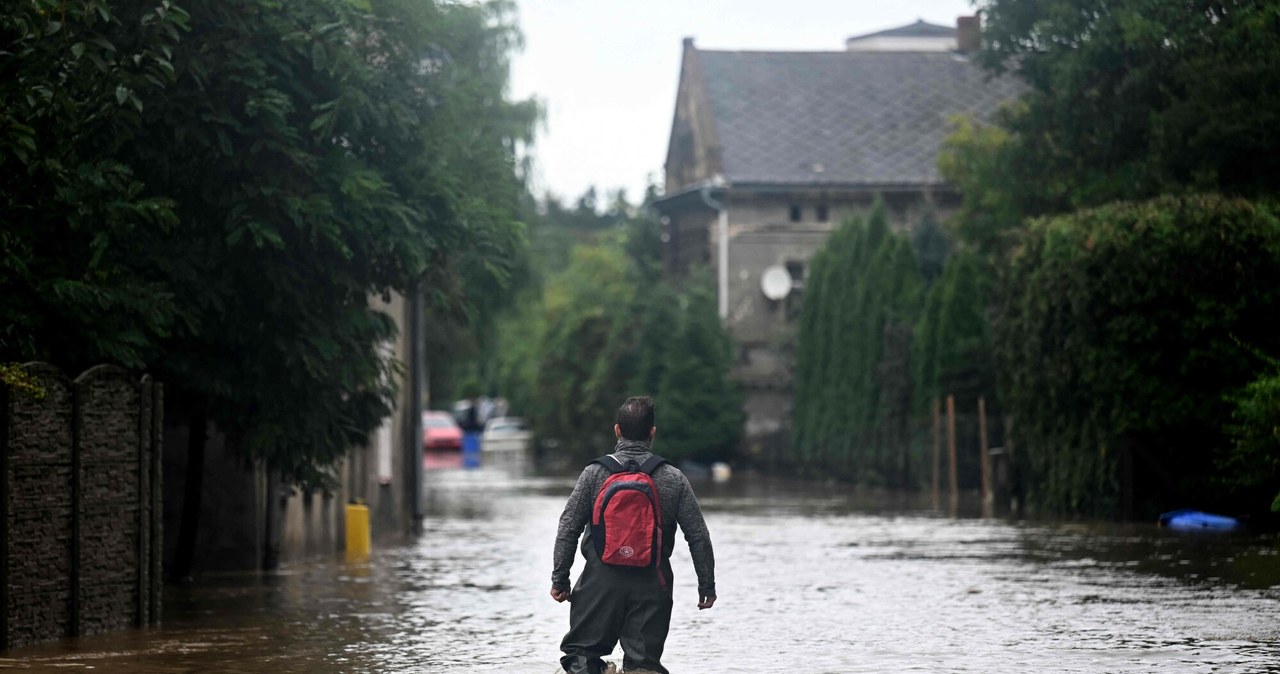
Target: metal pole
column 724, row 263
column 418, row 379
column 951, row 455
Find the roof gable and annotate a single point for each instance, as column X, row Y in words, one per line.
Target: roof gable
column 920, row 28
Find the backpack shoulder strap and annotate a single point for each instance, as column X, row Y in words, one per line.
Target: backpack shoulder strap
column 611, row 464
column 651, row 464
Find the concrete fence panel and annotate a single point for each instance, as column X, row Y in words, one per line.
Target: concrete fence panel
column 79, row 550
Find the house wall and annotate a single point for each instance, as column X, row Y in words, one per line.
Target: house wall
column 901, row 44
column 693, row 151
column 686, row 242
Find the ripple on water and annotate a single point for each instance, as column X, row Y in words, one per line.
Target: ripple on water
column 811, row 580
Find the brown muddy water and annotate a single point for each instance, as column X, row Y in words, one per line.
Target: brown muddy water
column 811, row 579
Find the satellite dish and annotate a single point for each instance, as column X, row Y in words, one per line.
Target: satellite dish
column 775, row 282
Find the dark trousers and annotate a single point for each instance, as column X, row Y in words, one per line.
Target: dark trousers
column 611, row 604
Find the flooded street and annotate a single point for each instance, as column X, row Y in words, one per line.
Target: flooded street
column 810, row 580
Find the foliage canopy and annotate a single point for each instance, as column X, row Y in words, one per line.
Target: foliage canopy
column 233, row 196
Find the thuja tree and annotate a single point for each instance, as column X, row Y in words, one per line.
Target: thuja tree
column 1119, row 333
column 952, row 349
column 865, row 292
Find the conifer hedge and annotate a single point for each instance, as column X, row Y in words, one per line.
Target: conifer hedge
column 852, row 373
column 1121, row 331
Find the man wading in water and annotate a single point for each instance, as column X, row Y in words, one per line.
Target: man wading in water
column 620, row 595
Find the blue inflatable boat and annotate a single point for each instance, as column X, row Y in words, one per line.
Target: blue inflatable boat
column 1196, row 520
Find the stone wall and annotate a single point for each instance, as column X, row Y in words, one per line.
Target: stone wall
column 80, row 533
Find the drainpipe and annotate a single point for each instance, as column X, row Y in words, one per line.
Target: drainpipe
column 722, row 272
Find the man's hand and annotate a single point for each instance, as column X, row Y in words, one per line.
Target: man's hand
column 561, row 595
column 706, row 602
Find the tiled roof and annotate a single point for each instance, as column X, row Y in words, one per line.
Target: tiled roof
column 920, row 28
column 841, row 118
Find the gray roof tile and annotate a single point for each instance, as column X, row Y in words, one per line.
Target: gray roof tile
column 842, row 118
column 920, row 28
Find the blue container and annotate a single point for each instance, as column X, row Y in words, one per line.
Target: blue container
column 1195, row 520
column 470, row 450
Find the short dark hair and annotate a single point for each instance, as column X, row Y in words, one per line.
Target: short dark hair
column 635, row 418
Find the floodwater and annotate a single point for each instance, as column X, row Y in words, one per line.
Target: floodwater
column 811, row 580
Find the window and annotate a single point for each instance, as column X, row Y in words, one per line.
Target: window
column 795, row 299
column 795, row 268
column 822, row 213
column 795, row 213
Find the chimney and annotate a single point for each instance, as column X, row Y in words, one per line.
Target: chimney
column 968, row 34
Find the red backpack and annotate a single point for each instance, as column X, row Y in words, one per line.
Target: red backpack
column 626, row 522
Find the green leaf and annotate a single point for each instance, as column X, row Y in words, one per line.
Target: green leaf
column 104, row 43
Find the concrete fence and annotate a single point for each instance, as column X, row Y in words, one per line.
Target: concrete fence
column 80, row 532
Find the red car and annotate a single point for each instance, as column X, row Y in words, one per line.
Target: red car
column 440, row 431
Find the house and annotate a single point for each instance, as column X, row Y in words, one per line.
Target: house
column 769, row 151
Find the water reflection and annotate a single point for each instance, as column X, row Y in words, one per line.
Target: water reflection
column 812, row 578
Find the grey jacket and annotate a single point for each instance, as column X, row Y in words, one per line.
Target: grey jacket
column 679, row 506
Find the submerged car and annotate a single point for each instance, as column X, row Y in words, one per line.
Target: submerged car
column 505, row 434
column 440, row 432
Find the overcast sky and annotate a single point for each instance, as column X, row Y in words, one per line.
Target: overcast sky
column 606, row 70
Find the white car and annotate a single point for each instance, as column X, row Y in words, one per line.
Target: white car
column 505, row 434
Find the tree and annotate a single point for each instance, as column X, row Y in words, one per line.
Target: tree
column 78, row 279
column 952, row 351
column 1251, row 462
column 321, row 153
column 700, row 407
column 607, row 326
column 1126, row 100
column 216, row 198
column 584, row 333
column 1130, row 98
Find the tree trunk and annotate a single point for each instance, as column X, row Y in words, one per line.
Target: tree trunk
column 185, row 548
column 277, row 498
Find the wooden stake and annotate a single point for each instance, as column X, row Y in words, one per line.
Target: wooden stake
column 951, row 455
column 937, row 451
column 987, row 497
column 1015, row 477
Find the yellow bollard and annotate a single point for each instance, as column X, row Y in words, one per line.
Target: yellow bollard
column 359, row 540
